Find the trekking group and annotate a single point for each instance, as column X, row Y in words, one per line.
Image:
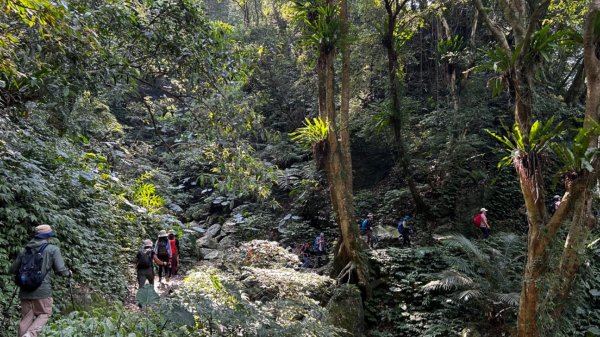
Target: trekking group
column 39, row 257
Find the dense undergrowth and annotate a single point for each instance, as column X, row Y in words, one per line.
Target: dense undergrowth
column 154, row 123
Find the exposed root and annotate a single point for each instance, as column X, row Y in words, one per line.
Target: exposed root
column 348, row 269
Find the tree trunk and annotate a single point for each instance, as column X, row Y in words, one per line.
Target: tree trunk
column 575, row 206
column 337, row 157
column 577, row 88
column 396, row 121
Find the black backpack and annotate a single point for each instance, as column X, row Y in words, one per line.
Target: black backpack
column 144, row 258
column 161, row 248
column 30, row 276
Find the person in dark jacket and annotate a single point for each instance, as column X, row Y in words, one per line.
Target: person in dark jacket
column 163, row 251
column 36, row 305
column 143, row 263
column 404, row 231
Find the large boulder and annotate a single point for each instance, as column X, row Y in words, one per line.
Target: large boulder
column 267, row 284
column 345, row 310
column 226, row 243
column 206, row 242
column 229, row 227
column 213, row 230
column 210, row 254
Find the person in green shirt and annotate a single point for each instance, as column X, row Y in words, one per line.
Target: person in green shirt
column 36, row 305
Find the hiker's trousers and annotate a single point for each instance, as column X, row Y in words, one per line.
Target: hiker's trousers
column 34, row 314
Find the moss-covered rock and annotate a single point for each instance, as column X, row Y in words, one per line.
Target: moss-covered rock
column 345, row 310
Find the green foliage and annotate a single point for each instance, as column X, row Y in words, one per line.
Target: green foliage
column 321, row 25
column 146, row 295
column 450, row 48
column 312, row 132
column 579, row 155
column 144, row 194
column 485, row 275
column 118, row 321
column 541, row 137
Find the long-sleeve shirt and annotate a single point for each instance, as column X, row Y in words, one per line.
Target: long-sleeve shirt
column 52, row 260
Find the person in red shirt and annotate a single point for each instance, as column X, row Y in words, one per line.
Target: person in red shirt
column 174, row 243
column 484, row 225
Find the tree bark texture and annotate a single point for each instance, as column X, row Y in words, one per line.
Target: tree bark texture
column 336, row 159
column 393, row 9
column 575, row 207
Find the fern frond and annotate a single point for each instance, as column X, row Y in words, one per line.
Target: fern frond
column 449, row 280
column 470, row 294
column 511, row 299
column 466, row 245
column 459, row 264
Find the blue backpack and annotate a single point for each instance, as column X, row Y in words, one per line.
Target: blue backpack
column 30, row 276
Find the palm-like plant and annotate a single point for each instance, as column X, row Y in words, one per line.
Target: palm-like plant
column 483, row 274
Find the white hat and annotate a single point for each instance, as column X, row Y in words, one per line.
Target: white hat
column 483, row 210
column 147, row 243
column 163, row 234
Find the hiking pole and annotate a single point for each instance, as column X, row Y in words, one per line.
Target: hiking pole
column 71, row 280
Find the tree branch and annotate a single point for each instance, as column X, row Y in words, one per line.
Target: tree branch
column 496, row 31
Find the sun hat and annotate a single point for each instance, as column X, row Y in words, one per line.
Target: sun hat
column 162, row 234
column 44, row 232
column 147, row 243
column 556, row 197
column 483, row 210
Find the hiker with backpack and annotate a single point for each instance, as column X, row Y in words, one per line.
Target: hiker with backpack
column 366, row 228
column 404, row 230
column 174, row 243
column 163, row 252
column 32, row 274
column 143, row 264
column 480, row 220
column 554, row 205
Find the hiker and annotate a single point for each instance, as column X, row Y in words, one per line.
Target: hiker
column 366, row 228
column 163, row 252
column 305, row 254
column 483, row 224
column 36, row 301
column 174, row 243
column 143, row 264
column 554, row 205
column 404, row 230
column 319, row 247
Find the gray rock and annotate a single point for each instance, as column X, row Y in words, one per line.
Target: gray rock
column 213, row 230
column 174, row 207
column 199, row 230
column 211, row 254
column 229, row 227
column 226, row 243
column 206, row 242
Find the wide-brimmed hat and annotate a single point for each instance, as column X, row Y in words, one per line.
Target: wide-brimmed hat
column 44, row 232
column 483, row 210
column 556, row 197
column 147, row 243
column 163, row 234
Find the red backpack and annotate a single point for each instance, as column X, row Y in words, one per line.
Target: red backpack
column 477, row 220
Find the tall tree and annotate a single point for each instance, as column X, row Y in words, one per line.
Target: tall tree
column 394, row 8
column 545, row 285
column 328, row 21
